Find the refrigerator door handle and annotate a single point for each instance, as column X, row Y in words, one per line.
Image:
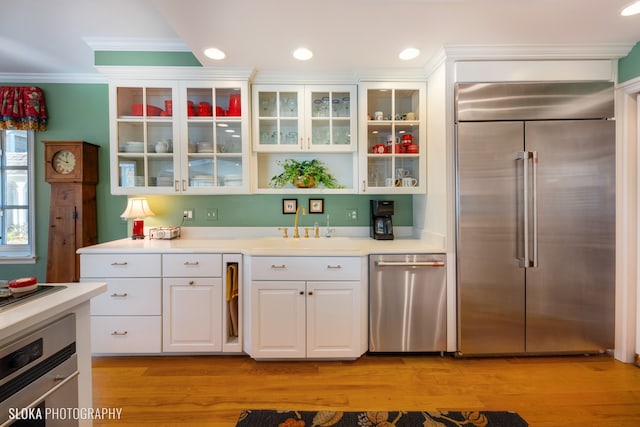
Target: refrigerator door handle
column 525, row 262
column 534, row 161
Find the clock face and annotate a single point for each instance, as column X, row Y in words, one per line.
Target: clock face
column 64, row 162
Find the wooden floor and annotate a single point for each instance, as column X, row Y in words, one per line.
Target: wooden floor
column 211, row 390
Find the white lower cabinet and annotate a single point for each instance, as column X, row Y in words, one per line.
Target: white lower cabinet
column 192, row 315
column 295, row 317
column 188, row 302
column 128, row 317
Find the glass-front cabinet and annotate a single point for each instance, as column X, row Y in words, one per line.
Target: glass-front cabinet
column 393, row 138
column 215, row 136
column 305, row 123
column 312, row 118
column 179, row 137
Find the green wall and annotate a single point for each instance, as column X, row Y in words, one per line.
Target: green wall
column 80, row 112
column 629, row 66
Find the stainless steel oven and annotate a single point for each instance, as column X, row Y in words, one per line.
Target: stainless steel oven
column 39, row 377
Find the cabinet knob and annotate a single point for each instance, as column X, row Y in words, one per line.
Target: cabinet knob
column 119, row 264
column 278, row 267
column 191, row 283
column 191, row 263
column 114, row 333
column 334, row 267
column 310, row 292
column 301, row 292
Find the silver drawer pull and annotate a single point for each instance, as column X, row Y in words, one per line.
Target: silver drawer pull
column 278, row 267
column 116, row 333
column 116, row 295
column 334, row 267
column 115, row 263
column 191, row 263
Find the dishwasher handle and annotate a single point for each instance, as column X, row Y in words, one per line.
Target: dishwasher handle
column 409, row 263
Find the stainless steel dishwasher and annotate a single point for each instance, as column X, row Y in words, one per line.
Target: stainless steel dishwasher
column 407, row 303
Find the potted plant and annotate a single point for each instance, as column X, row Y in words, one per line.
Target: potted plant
column 304, row 174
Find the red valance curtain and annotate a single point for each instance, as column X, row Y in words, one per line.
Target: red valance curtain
column 22, row 108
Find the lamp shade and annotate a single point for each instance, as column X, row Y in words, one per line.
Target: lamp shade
column 137, row 208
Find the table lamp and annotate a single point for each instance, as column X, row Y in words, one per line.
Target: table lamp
column 137, row 208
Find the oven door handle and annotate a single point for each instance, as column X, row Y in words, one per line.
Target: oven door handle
column 60, row 382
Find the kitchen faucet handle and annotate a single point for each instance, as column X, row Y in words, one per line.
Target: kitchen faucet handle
column 285, row 231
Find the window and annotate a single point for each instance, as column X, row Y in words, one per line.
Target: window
column 17, row 241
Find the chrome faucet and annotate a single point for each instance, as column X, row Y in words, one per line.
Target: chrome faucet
column 295, row 230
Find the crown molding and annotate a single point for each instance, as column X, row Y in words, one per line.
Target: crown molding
column 293, row 77
column 537, row 51
column 136, row 44
column 78, row 78
column 392, row 75
column 180, row 73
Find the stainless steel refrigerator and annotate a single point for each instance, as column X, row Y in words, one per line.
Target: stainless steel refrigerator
column 535, row 197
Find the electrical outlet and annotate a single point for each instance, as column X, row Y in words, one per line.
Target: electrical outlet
column 212, row 214
column 352, row 214
column 188, row 214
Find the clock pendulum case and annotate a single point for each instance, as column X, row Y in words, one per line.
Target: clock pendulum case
column 71, row 167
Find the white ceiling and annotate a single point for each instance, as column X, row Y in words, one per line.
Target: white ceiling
column 54, row 36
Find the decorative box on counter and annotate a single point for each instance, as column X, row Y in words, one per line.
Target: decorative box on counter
column 164, row 233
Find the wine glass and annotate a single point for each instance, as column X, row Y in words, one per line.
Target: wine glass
column 345, row 103
column 291, row 103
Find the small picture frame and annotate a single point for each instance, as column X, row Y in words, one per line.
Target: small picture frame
column 316, row 206
column 289, row 206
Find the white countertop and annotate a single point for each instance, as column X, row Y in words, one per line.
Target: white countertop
column 343, row 246
column 15, row 318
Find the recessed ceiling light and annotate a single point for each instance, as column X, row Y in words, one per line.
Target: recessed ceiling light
column 214, row 53
column 632, row 9
column 302, row 54
column 409, row 53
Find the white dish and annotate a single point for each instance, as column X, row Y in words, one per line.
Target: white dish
column 24, row 289
column 134, row 147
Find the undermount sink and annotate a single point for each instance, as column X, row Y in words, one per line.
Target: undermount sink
column 302, row 243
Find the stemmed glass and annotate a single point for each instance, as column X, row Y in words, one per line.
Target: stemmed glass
column 345, row 102
column 336, row 107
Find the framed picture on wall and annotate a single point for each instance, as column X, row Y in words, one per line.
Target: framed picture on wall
column 316, row 206
column 289, row 206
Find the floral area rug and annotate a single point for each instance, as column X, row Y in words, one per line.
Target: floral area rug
column 268, row 418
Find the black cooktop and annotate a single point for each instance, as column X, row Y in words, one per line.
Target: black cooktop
column 14, row 299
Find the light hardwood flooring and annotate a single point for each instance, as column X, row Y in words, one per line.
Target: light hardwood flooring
column 211, row 390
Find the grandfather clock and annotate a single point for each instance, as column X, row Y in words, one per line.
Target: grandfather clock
column 71, row 167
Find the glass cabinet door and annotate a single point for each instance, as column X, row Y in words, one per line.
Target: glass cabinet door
column 330, row 125
column 144, row 129
column 214, row 150
column 277, row 118
column 395, row 141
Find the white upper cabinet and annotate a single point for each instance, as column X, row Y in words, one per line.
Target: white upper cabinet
column 173, row 137
column 305, row 123
column 216, row 133
column 393, row 138
column 304, row 118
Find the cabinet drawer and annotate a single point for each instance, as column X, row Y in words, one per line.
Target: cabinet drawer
column 192, row 265
column 129, row 297
column 305, row 268
column 120, row 265
column 126, row 334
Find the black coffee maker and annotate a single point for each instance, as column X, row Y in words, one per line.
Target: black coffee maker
column 381, row 225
